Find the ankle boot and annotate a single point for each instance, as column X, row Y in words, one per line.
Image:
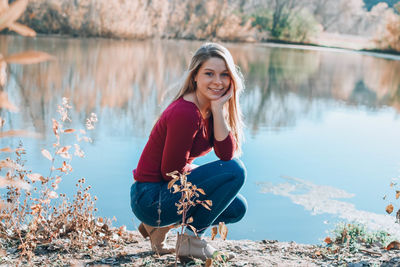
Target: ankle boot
column 157, row 236
column 190, row 247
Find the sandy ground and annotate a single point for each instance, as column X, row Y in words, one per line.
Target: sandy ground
column 133, row 250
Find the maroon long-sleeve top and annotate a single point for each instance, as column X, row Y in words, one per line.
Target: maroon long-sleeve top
column 180, row 135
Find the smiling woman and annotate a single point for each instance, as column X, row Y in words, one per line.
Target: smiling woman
column 204, row 115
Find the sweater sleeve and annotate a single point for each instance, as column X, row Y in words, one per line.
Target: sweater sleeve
column 182, row 127
column 225, row 149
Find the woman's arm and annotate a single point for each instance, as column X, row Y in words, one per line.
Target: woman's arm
column 182, row 126
column 224, row 143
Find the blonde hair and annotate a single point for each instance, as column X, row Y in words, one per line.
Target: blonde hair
column 234, row 116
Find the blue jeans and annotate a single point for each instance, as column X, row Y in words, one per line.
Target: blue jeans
column 221, row 181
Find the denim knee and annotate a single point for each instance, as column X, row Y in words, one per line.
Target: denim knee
column 240, row 208
column 239, row 170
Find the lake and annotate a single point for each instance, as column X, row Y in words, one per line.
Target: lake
column 322, row 126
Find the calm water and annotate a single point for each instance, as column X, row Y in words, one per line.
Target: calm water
column 322, row 126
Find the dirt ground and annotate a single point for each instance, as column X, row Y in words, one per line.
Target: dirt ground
column 133, row 250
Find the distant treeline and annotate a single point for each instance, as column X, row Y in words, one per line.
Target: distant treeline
column 227, row 20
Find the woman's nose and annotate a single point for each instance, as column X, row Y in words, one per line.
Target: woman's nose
column 217, row 80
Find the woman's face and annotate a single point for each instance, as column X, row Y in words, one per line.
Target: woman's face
column 213, row 79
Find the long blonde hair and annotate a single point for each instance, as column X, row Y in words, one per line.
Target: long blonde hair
column 234, row 116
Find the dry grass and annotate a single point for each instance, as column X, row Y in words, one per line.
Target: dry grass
column 41, row 216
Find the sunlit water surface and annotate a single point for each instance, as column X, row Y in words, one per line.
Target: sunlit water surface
column 322, row 137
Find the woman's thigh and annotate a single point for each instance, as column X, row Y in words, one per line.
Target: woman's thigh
column 155, row 204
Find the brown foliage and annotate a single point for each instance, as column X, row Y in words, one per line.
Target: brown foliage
column 389, row 37
column 214, row 19
column 41, row 216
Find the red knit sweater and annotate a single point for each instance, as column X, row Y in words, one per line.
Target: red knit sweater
column 179, row 136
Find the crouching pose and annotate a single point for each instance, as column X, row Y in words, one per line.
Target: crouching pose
column 204, row 115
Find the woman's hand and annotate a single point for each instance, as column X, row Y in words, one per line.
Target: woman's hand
column 221, row 129
column 218, row 104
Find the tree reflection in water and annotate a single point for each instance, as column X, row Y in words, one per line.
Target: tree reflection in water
column 128, row 83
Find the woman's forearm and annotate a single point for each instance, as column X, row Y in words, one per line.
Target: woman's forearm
column 221, row 128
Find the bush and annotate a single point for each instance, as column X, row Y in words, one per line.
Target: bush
column 293, row 26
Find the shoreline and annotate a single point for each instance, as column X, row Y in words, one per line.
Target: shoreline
column 387, row 54
column 130, row 249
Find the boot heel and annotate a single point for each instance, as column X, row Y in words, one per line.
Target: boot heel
column 143, row 231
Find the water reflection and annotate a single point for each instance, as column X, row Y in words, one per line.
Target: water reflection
column 129, row 83
column 134, row 81
column 320, row 199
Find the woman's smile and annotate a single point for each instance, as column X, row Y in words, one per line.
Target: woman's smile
column 216, row 90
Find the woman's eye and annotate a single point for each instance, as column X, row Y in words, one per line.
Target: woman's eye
column 209, row 74
column 225, row 75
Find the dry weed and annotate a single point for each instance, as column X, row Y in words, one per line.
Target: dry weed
column 189, row 198
column 41, row 216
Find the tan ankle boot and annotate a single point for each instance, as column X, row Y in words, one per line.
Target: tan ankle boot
column 157, row 235
column 190, row 247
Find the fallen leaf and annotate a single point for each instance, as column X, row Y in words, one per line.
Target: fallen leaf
column 389, row 208
column 214, row 232
column 393, row 245
column 397, row 194
column 69, row 130
column 29, row 57
column 47, row 154
column 190, row 220
column 209, row 263
column 223, row 230
column 328, row 240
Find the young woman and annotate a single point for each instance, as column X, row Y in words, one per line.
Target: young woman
column 204, row 115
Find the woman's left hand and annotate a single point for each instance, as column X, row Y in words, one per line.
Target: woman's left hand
column 218, row 104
